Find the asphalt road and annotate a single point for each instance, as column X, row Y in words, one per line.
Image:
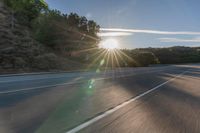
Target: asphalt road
column 153, row 99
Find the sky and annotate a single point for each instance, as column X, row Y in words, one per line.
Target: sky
column 140, row 23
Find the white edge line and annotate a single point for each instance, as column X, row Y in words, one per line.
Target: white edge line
column 93, row 120
column 68, row 83
column 63, row 76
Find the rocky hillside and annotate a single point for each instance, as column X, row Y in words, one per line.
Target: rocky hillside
column 18, row 51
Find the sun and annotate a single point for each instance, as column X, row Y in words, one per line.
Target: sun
column 109, row 44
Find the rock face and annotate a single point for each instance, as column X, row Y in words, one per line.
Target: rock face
column 18, row 51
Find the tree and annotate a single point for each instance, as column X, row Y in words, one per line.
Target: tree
column 45, row 27
column 93, row 28
column 73, row 20
column 83, row 24
column 26, row 10
column 61, row 31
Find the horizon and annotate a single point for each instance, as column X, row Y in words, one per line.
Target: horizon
column 140, row 24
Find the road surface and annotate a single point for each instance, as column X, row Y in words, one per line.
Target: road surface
column 162, row 99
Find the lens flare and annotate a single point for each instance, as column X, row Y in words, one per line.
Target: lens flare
column 109, row 44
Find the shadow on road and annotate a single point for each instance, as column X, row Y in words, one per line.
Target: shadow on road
column 173, row 108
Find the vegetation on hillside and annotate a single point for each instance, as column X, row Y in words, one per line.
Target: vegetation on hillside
column 170, row 55
column 54, row 29
column 148, row 56
column 174, row 55
column 65, row 33
column 34, row 37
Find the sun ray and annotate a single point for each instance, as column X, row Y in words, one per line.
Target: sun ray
column 116, row 59
column 121, row 59
column 86, row 50
column 131, row 59
column 101, row 53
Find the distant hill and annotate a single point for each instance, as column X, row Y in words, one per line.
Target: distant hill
column 176, row 54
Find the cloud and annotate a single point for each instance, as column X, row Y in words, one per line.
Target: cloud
column 111, row 34
column 88, row 15
column 193, row 40
column 149, row 31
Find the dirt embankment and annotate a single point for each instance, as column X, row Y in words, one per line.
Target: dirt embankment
column 19, row 52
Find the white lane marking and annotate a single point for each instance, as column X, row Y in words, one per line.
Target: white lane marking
column 93, row 120
column 56, row 77
column 18, row 80
column 34, row 88
column 60, row 76
column 68, row 83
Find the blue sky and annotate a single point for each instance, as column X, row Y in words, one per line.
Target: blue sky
column 143, row 23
